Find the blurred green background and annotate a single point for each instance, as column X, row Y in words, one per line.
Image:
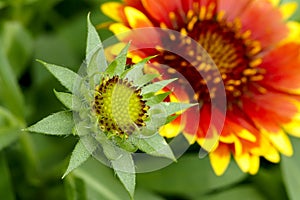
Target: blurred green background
column 31, row 165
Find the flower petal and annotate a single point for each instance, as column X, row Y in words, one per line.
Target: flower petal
column 254, row 164
column 265, row 23
column 136, row 4
column 114, row 10
column 270, row 110
column 275, row 3
column 136, row 18
column 160, row 10
column 280, row 141
column 172, row 129
column 243, row 161
column 220, row 159
column 294, row 32
column 119, row 29
column 232, row 9
column 282, row 68
column 288, row 9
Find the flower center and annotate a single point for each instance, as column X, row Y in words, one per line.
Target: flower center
column 234, row 53
column 119, row 106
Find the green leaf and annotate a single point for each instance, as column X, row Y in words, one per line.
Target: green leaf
column 125, row 170
column 269, row 182
column 65, row 76
column 18, row 45
column 10, row 92
column 155, row 145
column 79, row 155
column 60, row 123
column 10, row 117
column 8, row 135
column 65, row 98
column 96, row 61
column 6, row 190
column 117, row 66
column 189, row 169
column 236, row 193
column 291, row 171
column 100, row 181
column 75, row 188
column 155, row 87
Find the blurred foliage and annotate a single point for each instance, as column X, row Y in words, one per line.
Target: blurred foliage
column 31, row 165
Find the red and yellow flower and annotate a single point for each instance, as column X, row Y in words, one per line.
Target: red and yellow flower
column 255, row 48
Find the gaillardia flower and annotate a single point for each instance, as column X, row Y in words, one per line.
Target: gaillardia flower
column 254, row 48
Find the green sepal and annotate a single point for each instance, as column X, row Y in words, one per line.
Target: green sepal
column 157, row 98
column 125, row 169
column 172, row 107
column 117, row 66
column 95, row 57
column 147, row 78
column 136, row 71
column 64, row 98
column 60, row 123
column 68, row 99
column 79, row 155
column 65, row 76
column 155, row 87
column 126, row 144
column 155, row 145
column 122, row 162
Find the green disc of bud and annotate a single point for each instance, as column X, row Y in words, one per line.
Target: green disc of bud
column 118, row 106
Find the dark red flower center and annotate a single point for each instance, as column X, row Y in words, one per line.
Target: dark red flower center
column 235, row 57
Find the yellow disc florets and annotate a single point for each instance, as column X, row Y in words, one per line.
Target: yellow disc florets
column 118, row 106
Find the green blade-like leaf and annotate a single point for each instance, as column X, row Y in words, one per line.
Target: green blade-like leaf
column 65, row 98
column 291, row 171
column 6, row 190
column 60, row 123
column 79, row 155
column 8, row 135
column 155, row 145
column 65, row 76
column 117, row 66
column 10, row 92
column 125, row 170
column 75, row 188
column 100, row 181
column 189, row 169
column 155, row 87
column 17, row 43
column 236, row 193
